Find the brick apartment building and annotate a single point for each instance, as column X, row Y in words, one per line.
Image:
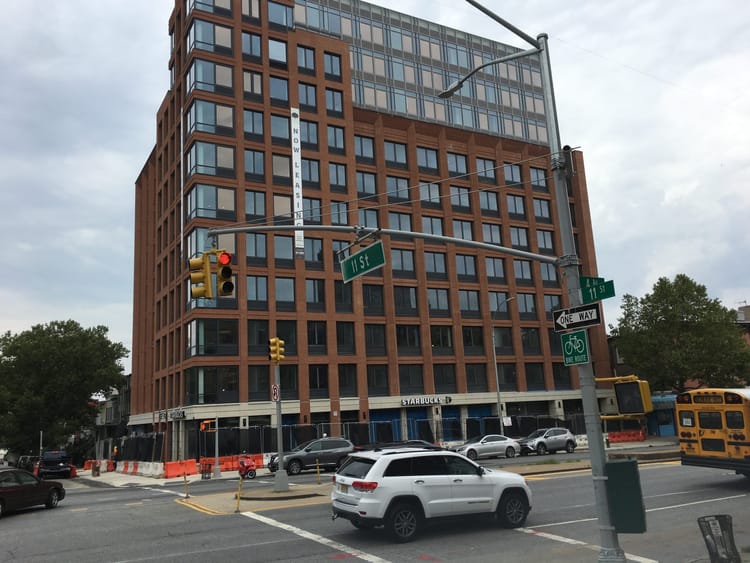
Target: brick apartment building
column 409, row 347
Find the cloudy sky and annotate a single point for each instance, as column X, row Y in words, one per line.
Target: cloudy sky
column 655, row 94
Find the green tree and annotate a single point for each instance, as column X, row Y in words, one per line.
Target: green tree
column 677, row 334
column 48, row 376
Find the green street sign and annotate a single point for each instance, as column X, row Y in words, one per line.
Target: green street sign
column 366, row 260
column 575, row 348
column 597, row 291
column 587, row 281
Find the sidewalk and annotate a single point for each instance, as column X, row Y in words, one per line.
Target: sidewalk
column 654, row 448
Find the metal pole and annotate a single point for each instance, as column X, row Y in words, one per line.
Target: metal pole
column 610, row 550
column 280, row 480
column 217, row 469
column 497, row 375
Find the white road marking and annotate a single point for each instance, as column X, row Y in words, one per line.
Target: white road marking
column 316, row 538
column 570, row 541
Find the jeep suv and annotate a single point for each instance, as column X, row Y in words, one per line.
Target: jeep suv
column 547, row 440
column 402, row 488
column 328, row 453
column 55, row 464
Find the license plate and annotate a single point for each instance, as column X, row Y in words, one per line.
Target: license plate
column 343, row 488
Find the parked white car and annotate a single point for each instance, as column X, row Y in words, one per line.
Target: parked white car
column 489, row 445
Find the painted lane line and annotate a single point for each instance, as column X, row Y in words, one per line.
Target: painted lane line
column 316, row 538
column 570, row 541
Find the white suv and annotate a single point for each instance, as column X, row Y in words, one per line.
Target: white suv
column 401, row 488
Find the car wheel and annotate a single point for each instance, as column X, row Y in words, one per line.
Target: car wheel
column 570, row 447
column 541, row 449
column 52, row 499
column 403, row 522
column 472, row 455
column 513, row 509
column 510, row 451
column 294, row 467
column 250, row 474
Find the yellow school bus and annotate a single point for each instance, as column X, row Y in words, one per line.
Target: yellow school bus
column 713, row 426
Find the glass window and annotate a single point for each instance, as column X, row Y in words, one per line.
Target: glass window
column 279, row 89
column 462, row 229
column 402, row 260
column 337, row 176
column 254, row 163
column 542, row 210
column 310, row 171
column 311, row 210
column 519, row 238
column 512, row 173
column 210, row 201
column 277, row 51
column 397, row 188
column 210, row 77
column 535, row 377
column 280, row 14
column 368, row 218
column 486, row 169
column 253, row 124
column 545, row 242
column 305, row 58
column 456, row 164
column 399, row 221
column 549, row 274
column 429, row 193
column 491, row 233
column 466, row 266
column 307, row 97
column 526, row 306
column 280, row 128
column 332, row 64
column 488, row 201
column 405, row 300
column 209, row 37
column 441, row 338
column 334, row 101
column 365, row 183
column 495, row 268
column 208, row 158
column 336, row 138
column 437, row 301
column 251, row 45
column 284, row 290
column 538, row 179
column 255, row 204
column 468, row 301
column 309, row 133
column 210, row 117
column 434, row 263
column 516, row 207
column 522, row 271
column 395, row 153
column 364, row 147
column 252, row 84
column 460, row 197
column 432, row 225
column 427, row 158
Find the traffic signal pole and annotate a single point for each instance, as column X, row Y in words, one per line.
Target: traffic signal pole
column 280, row 479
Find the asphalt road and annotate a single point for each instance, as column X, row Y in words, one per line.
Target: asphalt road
column 138, row 524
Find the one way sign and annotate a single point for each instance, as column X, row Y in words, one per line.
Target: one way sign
column 578, row 317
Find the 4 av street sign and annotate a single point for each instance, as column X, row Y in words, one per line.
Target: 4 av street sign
column 366, row 260
column 577, row 317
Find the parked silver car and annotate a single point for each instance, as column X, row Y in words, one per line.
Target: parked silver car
column 548, row 440
column 489, row 445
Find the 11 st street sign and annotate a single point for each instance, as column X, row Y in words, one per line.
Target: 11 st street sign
column 366, row 260
column 577, row 317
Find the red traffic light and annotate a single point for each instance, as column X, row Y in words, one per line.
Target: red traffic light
column 225, row 258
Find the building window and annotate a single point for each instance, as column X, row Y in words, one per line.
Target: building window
column 212, row 385
column 512, row 174
column 498, row 304
column 491, row 234
column 336, row 139
column 552, row 303
column 315, row 294
column 397, row 188
column 522, row 272
column 466, row 267
column 506, row 375
column 334, row 102
column 377, row 381
column 314, row 253
column 252, row 84
column 462, row 229
column 342, row 293
column 488, row 202
column 209, row 77
column 372, row 299
column 289, row 381
column 284, row 294
column 516, row 207
column 311, row 210
column 460, row 198
column 476, row 378
column 485, row 170
column 432, row 225
column 287, row 331
column 255, row 205
column 210, row 201
column 251, row 46
column 473, row 340
column 365, row 183
column 405, row 300
column 468, row 303
column 253, row 125
column 408, row 341
column 257, row 293
column 254, row 165
column 441, row 338
column 410, row 379
column 339, row 213
column 316, row 338
column 306, row 59
column 444, row 376
column 530, row 341
column 258, row 383
column 256, row 248
column 307, row 99
column 364, row 149
column 542, row 211
column 538, row 179
column 347, row 380
column 545, row 242
column 222, row 7
column 279, row 90
column 280, row 129
column 429, row 194
column 495, row 268
column 399, row 221
column 395, row 154
column 402, row 262
column 375, row 340
column 526, row 306
column 318, row 379
column 311, row 173
column 211, row 159
column 368, row 218
column 277, row 52
column 337, row 179
column 332, row 66
column 555, row 342
column 213, row 337
column 503, row 337
column 280, row 15
column 427, row 159
column 434, row 263
column 437, row 302
column 549, row 275
column 308, row 132
column 519, row 238
column 561, row 376
column 535, row 377
column 456, row 164
column 210, row 118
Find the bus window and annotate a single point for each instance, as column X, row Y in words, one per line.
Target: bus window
column 686, row 418
column 735, row 419
column 710, row 420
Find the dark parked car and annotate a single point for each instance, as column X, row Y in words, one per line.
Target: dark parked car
column 54, row 463
column 20, row 489
column 329, row 453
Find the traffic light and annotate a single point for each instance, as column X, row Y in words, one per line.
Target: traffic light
column 633, row 397
column 275, row 349
column 224, row 282
column 200, row 277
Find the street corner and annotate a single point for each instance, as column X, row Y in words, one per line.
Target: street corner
column 259, row 499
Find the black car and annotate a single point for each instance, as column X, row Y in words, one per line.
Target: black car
column 20, row 489
column 27, row 462
column 326, row 453
column 54, row 463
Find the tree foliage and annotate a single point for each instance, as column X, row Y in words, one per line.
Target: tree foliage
column 48, row 376
column 676, row 335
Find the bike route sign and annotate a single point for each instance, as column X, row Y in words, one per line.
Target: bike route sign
column 578, row 317
column 575, row 348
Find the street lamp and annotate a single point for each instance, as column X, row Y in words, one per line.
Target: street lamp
column 497, row 375
column 610, row 550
